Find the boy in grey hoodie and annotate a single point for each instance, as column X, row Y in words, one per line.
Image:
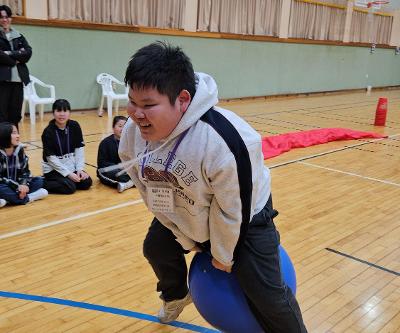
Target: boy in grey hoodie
column 200, row 171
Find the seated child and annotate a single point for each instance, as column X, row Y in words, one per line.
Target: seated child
column 17, row 186
column 108, row 155
column 63, row 153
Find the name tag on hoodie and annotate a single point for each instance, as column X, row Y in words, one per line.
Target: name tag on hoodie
column 160, row 199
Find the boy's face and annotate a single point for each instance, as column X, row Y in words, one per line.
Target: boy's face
column 5, row 21
column 14, row 137
column 153, row 112
column 61, row 117
column 117, row 129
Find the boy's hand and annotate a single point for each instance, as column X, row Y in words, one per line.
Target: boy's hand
column 82, row 175
column 220, row 266
column 74, row 177
column 23, row 190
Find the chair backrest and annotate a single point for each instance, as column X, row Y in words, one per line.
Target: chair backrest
column 29, row 89
column 30, row 92
column 106, row 82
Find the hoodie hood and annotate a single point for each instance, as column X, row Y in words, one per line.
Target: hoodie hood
column 16, row 150
column 205, row 98
column 13, row 33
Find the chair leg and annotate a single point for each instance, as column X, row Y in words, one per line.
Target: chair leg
column 100, row 110
column 109, row 106
column 41, row 110
column 23, row 110
column 32, row 112
column 117, row 106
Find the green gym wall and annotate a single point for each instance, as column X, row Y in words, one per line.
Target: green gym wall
column 70, row 59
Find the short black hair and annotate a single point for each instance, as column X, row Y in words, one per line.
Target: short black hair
column 5, row 134
column 163, row 67
column 6, row 9
column 61, row 105
column 117, row 119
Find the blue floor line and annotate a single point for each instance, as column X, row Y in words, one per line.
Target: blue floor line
column 101, row 308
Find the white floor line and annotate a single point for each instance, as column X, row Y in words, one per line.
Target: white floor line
column 331, row 151
column 351, row 174
column 68, row 219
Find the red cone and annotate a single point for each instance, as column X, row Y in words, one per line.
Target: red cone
column 381, row 112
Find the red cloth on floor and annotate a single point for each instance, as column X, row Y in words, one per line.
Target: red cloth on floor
column 278, row 144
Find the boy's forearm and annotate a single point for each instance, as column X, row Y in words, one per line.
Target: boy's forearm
column 10, row 183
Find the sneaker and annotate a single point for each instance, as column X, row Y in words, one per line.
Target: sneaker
column 2, row 203
column 37, row 195
column 171, row 310
column 124, row 186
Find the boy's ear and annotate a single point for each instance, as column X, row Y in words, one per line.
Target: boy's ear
column 184, row 99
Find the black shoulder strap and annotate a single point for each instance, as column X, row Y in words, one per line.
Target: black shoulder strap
column 243, row 164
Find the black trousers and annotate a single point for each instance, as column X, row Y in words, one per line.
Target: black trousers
column 55, row 182
column 257, row 268
column 11, row 98
column 111, row 179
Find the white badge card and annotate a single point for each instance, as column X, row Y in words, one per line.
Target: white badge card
column 160, row 199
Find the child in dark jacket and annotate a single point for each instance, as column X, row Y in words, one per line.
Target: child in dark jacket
column 17, row 186
column 108, row 155
column 63, row 153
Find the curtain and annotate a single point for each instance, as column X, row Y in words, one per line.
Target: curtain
column 317, row 22
column 260, row 17
column 249, row 17
column 15, row 5
column 150, row 13
column 370, row 28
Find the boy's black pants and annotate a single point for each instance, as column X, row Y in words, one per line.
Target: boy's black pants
column 257, row 268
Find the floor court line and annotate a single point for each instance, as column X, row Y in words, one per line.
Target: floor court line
column 363, row 261
column 106, row 309
column 69, row 219
column 387, row 182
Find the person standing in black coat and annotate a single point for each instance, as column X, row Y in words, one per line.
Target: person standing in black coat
column 15, row 52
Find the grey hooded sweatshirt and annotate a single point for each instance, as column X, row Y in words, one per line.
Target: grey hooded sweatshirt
column 203, row 174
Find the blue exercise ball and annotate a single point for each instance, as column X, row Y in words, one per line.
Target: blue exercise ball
column 219, row 298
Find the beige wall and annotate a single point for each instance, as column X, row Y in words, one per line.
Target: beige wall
column 395, row 35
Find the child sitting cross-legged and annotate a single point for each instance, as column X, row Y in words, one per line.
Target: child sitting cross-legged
column 63, row 153
column 108, row 156
column 17, row 186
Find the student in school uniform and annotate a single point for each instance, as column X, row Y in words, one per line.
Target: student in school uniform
column 17, row 186
column 108, row 156
column 63, row 153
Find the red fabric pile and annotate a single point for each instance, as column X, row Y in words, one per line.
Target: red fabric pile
column 278, row 144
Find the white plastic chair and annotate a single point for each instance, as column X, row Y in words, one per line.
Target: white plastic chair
column 108, row 85
column 32, row 98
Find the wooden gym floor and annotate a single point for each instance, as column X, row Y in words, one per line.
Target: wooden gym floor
column 74, row 263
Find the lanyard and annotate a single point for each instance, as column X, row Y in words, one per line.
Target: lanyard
column 12, row 167
column 171, row 156
column 59, row 141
